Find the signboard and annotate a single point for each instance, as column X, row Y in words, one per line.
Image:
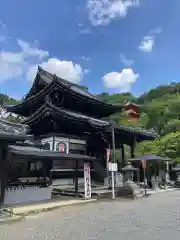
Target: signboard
column 87, row 180
column 112, row 167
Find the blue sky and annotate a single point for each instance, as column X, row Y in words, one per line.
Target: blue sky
column 108, row 45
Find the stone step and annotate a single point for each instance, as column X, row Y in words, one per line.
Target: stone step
column 99, row 194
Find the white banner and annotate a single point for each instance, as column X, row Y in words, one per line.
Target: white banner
column 87, row 180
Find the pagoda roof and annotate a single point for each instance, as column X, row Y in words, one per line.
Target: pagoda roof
column 38, row 153
column 66, row 117
column 48, row 83
column 13, row 131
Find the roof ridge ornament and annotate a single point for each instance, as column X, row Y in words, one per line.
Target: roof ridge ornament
column 40, row 69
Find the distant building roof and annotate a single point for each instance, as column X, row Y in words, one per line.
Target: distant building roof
column 13, row 131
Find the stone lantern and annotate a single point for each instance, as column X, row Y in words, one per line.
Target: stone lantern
column 128, row 172
column 176, row 169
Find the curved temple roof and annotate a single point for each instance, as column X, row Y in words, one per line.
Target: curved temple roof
column 45, row 83
column 36, row 100
column 49, row 108
column 140, row 134
column 35, row 152
column 13, row 131
column 48, row 78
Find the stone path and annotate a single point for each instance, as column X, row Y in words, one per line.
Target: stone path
column 152, row 218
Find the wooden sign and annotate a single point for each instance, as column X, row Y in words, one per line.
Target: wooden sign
column 87, row 180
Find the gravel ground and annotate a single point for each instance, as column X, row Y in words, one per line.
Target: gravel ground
column 152, row 218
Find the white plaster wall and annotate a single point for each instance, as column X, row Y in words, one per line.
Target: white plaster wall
column 67, row 141
column 77, row 141
column 27, row 195
column 61, row 139
column 48, row 140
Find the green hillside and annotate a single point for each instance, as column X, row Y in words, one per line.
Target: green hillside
column 160, row 111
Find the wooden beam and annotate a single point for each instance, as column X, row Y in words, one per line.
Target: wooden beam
column 3, row 170
column 76, row 178
column 113, row 145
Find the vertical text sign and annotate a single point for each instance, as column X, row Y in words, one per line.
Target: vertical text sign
column 87, row 180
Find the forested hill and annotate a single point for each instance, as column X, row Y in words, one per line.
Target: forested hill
column 160, row 108
column 161, row 112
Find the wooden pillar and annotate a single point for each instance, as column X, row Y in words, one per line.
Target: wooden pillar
column 123, row 155
column 53, row 143
column 76, row 178
column 133, row 145
column 113, row 146
column 1, row 176
column 3, row 170
column 114, row 155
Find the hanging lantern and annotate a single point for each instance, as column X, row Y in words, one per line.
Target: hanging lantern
column 61, row 147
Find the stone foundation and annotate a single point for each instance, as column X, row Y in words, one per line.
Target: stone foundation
column 26, row 195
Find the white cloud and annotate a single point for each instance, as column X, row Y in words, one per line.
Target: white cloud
column 85, row 31
column 24, row 64
column 84, row 58
column 9, row 70
column 12, row 57
column 11, row 65
column 125, row 61
column 156, row 30
column 87, row 71
column 147, row 44
column 122, row 80
column 148, row 41
column 80, row 24
column 15, row 64
column 64, row 69
column 29, row 51
column 102, row 12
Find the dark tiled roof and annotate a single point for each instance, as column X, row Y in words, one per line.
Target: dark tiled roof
column 12, row 131
column 49, row 77
column 45, row 154
column 49, row 108
column 148, row 157
column 136, row 131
